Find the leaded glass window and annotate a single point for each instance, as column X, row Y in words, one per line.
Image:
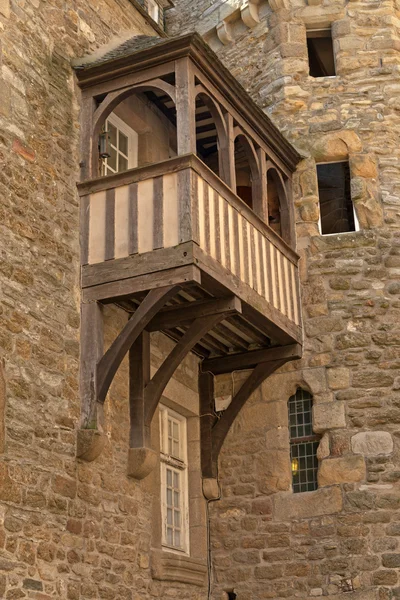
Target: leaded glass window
column 303, row 443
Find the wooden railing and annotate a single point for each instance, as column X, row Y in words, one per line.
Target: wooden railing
column 180, row 200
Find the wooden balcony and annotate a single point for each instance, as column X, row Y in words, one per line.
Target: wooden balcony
column 176, row 222
column 200, row 246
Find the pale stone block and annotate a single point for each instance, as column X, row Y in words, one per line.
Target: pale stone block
column 347, row 469
column 289, row 506
column 372, row 443
column 323, row 450
column 315, row 379
column 338, row 378
column 330, row 415
column 5, row 8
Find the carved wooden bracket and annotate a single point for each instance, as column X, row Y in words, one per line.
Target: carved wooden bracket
column 214, row 428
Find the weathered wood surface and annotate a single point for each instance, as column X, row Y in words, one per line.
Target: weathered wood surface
column 247, row 360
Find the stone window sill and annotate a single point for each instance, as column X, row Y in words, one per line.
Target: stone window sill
column 168, row 566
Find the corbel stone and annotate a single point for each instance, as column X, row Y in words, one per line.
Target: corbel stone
column 249, row 15
column 211, row 489
column 90, row 444
column 141, row 462
column 224, row 33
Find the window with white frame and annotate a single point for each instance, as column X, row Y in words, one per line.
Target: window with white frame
column 174, row 480
column 122, row 146
column 153, row 9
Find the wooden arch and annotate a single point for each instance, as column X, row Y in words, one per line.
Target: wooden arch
column 285, row 210
column 112, row 100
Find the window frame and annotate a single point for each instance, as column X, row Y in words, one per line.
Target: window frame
column 176, row 464
column 133, row 143
column 356, row 221
column 300, row 440
column 319, row 33
column 152, row 5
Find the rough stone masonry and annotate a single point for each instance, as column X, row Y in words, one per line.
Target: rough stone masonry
column 75, row 531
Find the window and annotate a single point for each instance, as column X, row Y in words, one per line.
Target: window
column 321, row 57
column 153, row 9
column 303, row 443
column 174, row 480
column 122, row 146
column 336, row 207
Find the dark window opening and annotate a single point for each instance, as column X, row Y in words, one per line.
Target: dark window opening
column 243, row 174
column 336, row 206
column 303, row 443
column 274, row 211
column 232, row 596
column 207, row 143
column 321, row 57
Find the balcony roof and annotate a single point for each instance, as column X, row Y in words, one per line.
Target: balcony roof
column 143, row 52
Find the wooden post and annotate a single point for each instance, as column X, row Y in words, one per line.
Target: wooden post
column 139, row 376
column 207, row 420
column 227, row 155
column 185, row 107
column 260, row 198
column 90, row 353
column 89, row 154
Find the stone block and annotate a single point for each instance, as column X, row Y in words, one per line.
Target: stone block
column 363, row 165
column 338, row 378
column 347, row 469
column 329, row 415
column 336, row 146
column 325, row 501
column 323, row 450
column 5, row 8
column 372, row 443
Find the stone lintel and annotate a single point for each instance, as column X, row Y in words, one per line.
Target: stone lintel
column 325, row 501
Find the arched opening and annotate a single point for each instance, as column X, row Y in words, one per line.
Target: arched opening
column 246, row 170
column 138, row 130
column 277, row 205
column 208, row 131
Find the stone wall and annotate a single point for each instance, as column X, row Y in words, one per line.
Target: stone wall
column 266, row 541
column 68, row 530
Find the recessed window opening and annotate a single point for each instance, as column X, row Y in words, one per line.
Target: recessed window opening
column 122, row 146
column 321, row 56
column 274, row 213
column 243, row 174
column 207, row 145
column 232, row 596
column 303, row 443
column 174, row 480
column 153, row 9
column 336, row 206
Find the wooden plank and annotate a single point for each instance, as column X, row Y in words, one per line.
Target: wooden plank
column 171, row 209
column 111, row 360
column 88, row 107
column 206, row 219
column 158, row 208
column 116, row 290
column 121, row 225
column 91, row 350
column 110, row 225
column 227, row 235
column 173, row 316
column 141, row 264
column 84, row 229
column 185, row 195
column 218, row 240
column 133, row 244
column 248, row 360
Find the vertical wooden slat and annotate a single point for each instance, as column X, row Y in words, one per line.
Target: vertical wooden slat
column 231, row 239
column 295, row 294
column 185, row 205
column 226, row 237
column 206, row 218
column 202, row 232
column 195, row 209
column 288, row 294
column 274, row 284
column 282, row 284
column 236, row 238
column 257, row 240
column 170, row 210
column 264, row 267
column 241, row 247
column 133, row 243
column 110, row 225
column 211, row 215
column 84, row 228
column 249, row 254
column 245, row 253
column 218, row 240
column 221, row 203
column 270, row 276
column 253, row 258
column 158, row 207
column 97, row 226
column 121, row 225
column 145, row 216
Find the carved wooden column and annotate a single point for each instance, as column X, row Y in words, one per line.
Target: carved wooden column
column 260, row 198
column 227, row 155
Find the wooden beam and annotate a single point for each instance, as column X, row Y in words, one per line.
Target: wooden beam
column 185, row 106
column 91, row 350
column 207, row 422
column 248, row 360
column 222, row 426
column 109, row 363
column 155, row 388
column 175, row 316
